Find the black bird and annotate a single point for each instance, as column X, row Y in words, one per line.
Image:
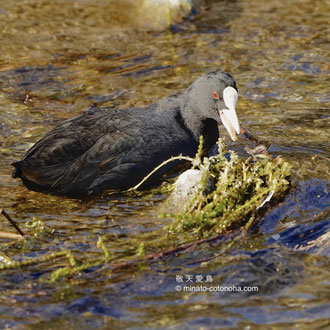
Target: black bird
column 115, row 149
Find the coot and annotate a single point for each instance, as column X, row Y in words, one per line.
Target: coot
column 115, row 149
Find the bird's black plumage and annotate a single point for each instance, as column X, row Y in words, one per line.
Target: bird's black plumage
column 115, row 149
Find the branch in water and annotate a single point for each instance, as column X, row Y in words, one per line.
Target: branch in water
column 6, row 215
column 180, row 157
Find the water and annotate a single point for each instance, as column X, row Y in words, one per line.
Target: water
column 58, row 59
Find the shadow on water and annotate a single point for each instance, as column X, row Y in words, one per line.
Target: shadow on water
column 58, row 60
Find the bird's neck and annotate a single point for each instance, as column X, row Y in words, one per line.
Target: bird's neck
column 184, row 113
column 200, row 126
column 192, row 119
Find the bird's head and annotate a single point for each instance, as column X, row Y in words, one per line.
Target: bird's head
column 213, row 96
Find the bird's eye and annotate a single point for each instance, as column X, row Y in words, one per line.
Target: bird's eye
column 215, row 95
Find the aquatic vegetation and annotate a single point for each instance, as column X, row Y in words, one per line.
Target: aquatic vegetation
column 37, row 227
column 11, row 264
column 239, row 188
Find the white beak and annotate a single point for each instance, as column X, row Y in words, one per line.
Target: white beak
column 228, row 116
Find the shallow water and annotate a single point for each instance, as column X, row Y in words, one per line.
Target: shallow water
column 58, row 59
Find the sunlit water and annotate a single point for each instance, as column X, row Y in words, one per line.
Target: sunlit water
column 59, row 58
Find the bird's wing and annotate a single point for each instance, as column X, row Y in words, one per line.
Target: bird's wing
column 70, row 139
column 47, row 161
column 123, row 157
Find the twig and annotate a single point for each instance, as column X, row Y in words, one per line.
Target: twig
column 241, row 236
column 5, row 234
column 248, row 135
column 226, row 249
column 259, row 149
column 167, row 252
column 180, row 157
column 6, row 215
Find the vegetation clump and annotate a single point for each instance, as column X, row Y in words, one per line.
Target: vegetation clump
column 232, row 192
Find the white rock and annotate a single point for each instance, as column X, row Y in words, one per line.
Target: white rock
column 185, row 189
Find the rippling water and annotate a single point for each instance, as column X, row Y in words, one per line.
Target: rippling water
column 59, row 58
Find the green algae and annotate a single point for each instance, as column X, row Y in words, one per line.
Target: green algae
column 37, row 227
column 241, row 188
column 33, row 261
column 100, row 245
column 4, row 259
column 141, row 250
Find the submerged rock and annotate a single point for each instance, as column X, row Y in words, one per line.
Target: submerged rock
column 185, row 189
column 161, row 14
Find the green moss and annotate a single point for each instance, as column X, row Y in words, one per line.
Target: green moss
column 100, row 245
column 4, row 259
column 33, row 261
column 36, row 227
column 141, row 250
column 241, row 188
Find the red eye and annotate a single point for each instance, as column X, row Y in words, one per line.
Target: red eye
column 215, row 95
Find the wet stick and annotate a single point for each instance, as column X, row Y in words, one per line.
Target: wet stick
column 5, row 234
column 6, row 215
